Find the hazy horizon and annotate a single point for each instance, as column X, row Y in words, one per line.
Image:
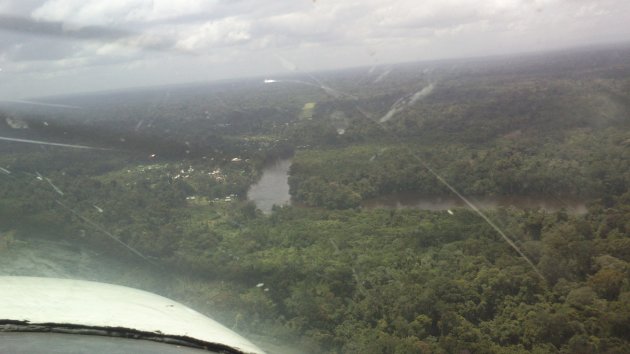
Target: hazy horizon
column 389, row 67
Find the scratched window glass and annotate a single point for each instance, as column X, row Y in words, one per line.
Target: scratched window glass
column 329, row 176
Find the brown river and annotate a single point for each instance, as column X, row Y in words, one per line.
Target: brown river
column 273, row 188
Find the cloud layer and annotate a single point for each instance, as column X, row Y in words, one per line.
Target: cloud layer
column 57, row 46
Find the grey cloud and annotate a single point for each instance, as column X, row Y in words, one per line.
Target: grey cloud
column 26, row 25
column 22, row 7
column 36, row 48
column 39, row 49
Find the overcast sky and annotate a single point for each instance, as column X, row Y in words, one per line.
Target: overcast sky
column 58, row 46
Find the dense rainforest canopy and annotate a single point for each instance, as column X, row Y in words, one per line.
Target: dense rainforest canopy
column 170, row 177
